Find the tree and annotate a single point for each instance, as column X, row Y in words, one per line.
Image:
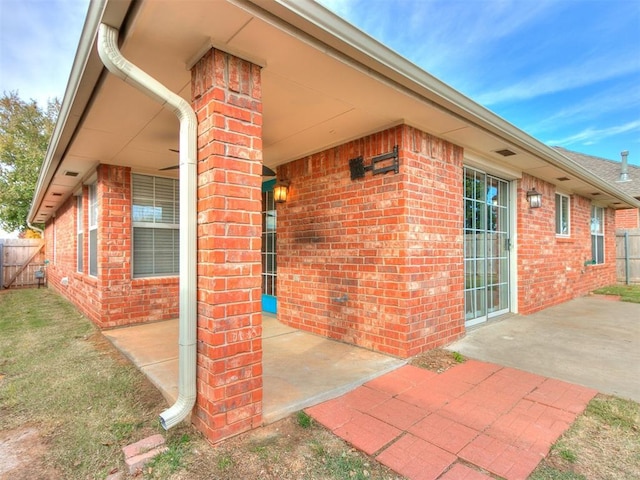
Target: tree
column 25, row 130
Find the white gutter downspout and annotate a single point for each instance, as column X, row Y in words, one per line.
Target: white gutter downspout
column 35, row 229
column 122, row 68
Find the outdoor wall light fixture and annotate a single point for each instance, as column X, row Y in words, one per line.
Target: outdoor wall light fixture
column 280, row 191
column 535, row 198
column 387, row 162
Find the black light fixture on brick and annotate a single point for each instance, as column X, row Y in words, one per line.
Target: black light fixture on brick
column 535, row 198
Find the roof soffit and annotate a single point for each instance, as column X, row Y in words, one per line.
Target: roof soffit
column 305, row 108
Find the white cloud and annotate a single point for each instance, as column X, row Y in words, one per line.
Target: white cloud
column 615, row 100
column 456, row 40
column 591, row 135
column 577, row 74
column 38, row 40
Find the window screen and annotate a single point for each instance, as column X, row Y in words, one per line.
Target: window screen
column 597, row 234
column 562, row 215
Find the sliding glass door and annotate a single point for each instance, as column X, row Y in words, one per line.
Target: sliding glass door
column 486, row 246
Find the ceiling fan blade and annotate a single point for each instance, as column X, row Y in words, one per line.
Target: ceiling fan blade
column 266, row 171
column 173, row 167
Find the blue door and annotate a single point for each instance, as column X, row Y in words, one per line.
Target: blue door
column 269, row 267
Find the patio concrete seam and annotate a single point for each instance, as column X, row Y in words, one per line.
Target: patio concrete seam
column 158, row 362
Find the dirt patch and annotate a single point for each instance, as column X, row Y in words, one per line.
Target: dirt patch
column 280, row 451
column 437, row 360
column 602, row 443
column 105, row 347
column 22, row 452
column 612, row 298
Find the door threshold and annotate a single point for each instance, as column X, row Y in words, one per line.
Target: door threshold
column 491, row 321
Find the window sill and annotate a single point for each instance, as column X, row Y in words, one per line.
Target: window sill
column 564, row 239
column 145, row 281
column 588, row 264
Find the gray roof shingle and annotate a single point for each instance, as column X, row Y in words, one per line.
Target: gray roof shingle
column 608, row 170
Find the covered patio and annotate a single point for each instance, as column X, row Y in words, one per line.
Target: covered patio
column 299, row 369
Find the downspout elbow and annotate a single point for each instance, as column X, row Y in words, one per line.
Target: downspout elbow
column 35, row 229
column 115, row 62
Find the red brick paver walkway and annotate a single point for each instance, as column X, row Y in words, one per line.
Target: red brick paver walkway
column 468, row 423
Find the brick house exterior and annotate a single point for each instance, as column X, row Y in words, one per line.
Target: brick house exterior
column 627, row 219
column 390, row 245
column 609, row 170
column 113, row 298
column 553, row 269
column 389, row 262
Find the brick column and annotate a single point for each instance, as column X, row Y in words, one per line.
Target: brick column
column 227, row 99
column 114, row 243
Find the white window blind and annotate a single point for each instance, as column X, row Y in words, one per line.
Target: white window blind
column 79, row 234
column 597, row 234
column 155, row 217
column 93, row 230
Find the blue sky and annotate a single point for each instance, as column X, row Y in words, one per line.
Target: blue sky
column 38, row 41
column 565, row 71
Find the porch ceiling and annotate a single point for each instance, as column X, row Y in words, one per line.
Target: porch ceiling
column 314, row 96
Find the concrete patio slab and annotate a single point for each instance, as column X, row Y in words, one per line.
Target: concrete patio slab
column 299, row 369
column 153, row 348
column 591, row 341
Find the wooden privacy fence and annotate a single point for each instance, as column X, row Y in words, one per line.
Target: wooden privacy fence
column 628, row 256
column 20, row 259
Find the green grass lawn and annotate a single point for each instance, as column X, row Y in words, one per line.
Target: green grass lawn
column 61, row 377
column 627, row 293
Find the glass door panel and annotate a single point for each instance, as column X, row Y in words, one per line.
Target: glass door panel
column 269, row 266
column 486, row 246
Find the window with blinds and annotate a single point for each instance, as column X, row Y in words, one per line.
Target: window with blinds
column 79, row 234
column 597, row 234
column 93, row 230
column 155, row 218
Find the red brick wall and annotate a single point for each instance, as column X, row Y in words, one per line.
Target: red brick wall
column 628, row 219
column 227, row 99
column 61, row 237
column 552, row 269
column 113, row 298
column 126, row 300
column 392, row 244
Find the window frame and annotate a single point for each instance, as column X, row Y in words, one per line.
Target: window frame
column 597, row 254
column 79, row 235
column 153, row 226
column 560, row 198
column 93, row 215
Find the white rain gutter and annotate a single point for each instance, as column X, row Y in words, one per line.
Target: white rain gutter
column 122, row 68
column 363, row 52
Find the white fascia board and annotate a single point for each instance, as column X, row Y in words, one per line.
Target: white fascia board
column 348, row 40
